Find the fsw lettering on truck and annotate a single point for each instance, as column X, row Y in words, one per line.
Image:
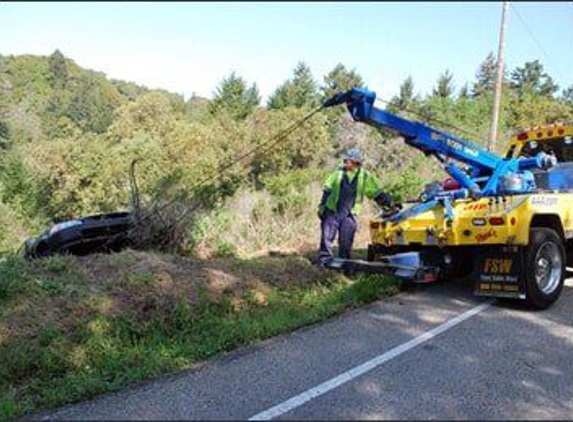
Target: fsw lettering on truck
column 497, row 266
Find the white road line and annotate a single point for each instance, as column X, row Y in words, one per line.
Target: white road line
column 359, row 370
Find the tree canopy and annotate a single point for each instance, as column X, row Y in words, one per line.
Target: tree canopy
column 445, row 85
column 340, row 79
column 68, row 134
column 234, row 97
column 531, row 77
column 299, row 91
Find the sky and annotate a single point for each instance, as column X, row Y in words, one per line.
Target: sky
column 189, row 47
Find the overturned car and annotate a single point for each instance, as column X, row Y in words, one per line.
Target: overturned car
column 96, row 233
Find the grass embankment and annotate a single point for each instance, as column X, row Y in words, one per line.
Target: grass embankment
column 71, row 328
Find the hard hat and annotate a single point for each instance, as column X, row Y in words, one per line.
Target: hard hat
column 353, row 154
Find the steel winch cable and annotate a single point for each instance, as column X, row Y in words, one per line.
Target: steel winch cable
column 261, row 148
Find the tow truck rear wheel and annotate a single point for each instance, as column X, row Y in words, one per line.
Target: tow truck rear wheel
column 544, row 267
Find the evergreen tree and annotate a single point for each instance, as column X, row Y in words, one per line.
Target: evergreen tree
column 406, row 98
column 58, row 69
column 91, row 105
column 485, row 76
column 234, row 97
column 445, row 87
column 567, row 95
column 532, row 78
column 340, row 79
column 299, row 91
column 5, row 88
column 464, row 92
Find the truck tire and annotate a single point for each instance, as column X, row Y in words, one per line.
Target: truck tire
column 569, row 252
column 544, row 267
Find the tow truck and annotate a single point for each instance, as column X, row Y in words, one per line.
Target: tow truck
column 505, row 220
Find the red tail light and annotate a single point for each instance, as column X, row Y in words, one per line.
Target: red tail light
column 496, row 221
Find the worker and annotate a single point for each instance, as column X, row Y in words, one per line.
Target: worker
column 343, row 194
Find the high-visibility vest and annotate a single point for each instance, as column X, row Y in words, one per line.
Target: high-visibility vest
column 368, row 185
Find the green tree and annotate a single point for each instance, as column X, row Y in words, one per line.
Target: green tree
column 406, row 98
column 129, row 90
column 196, row 107
column 299, row 91
column 464, row 91
column 445, row 86
column 531, row 109
column 16, row 183
column 485, row 76
column 340, row 79
column 58, row 69
column 235, row 98
column 306, row 147
column 567, row 95
column 92, row 104
column 4, row 105
column 532, row 78
column 152, row 113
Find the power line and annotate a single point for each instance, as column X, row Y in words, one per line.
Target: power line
column 532, row 35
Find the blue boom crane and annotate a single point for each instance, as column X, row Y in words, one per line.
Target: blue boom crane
column 487, row 174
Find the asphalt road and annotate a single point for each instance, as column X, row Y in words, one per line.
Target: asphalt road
column 418, row 355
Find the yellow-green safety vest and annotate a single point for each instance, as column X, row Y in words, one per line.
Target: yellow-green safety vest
column 368, row 185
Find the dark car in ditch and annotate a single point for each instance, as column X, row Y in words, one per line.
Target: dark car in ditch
column 96, row 233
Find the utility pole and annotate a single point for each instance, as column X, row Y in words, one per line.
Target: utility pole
column 499, row 80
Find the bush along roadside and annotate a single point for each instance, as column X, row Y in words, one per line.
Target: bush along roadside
column 72, row 328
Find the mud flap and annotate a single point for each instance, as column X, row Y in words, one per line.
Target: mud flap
column 499, row 271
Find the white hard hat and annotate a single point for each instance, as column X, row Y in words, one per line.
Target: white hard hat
column 353, row 154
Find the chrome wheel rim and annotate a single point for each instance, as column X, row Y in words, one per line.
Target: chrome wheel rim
column 548, row 267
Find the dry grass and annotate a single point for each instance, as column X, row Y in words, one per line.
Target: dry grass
column 248, row 225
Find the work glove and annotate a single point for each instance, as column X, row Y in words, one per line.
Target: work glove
column 390, row 210
column 383, row 199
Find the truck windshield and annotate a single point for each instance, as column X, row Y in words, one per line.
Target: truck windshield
column 562, row 149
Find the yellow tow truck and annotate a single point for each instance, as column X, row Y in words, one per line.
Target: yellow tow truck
column 506, row 220
column 515, row 245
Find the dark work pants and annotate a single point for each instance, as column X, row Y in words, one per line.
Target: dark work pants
column 343, row 224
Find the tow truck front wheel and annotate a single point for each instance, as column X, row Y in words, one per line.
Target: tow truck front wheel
column 544, row 267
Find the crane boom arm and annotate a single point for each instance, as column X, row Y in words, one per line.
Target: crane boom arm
column 444, row 146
